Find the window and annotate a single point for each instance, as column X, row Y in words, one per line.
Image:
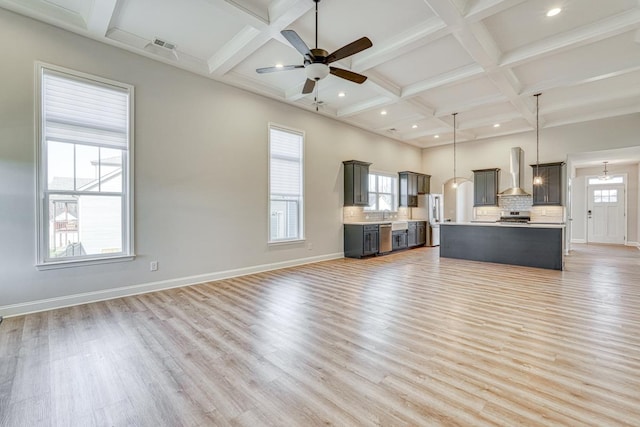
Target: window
column 286, row 205
column 610, row 180
column 605, row 196
column 84, row 168
column 383, row 190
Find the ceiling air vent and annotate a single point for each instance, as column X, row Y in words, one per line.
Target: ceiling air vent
column 162, row 48
column 164, row 44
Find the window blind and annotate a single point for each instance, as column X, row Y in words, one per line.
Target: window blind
column 84, row 112
column 286, row 163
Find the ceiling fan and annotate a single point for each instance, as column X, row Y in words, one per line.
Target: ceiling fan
column 316, row 61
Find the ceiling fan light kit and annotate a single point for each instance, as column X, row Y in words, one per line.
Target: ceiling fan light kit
column 316, row 71
column 316, row 61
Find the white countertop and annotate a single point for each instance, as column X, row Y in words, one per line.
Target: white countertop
column 368, row 222
column 508, row 224
column 384, row 222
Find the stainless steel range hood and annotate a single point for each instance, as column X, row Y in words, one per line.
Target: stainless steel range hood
column 516, row 174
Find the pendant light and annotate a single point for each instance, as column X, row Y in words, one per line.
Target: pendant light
column 455, row 183
column 537, row 179
column 606, row 175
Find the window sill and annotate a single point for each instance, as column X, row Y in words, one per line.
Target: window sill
column 53, row 265
column 286, row 242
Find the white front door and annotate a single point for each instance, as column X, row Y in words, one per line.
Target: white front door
column 606, row 214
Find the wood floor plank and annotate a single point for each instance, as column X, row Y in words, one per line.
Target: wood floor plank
column 407, row 339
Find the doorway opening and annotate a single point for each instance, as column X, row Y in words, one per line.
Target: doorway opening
column 607, row 210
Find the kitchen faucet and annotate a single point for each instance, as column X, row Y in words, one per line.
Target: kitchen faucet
column 385, row 214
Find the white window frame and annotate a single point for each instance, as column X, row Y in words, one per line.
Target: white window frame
column 301, row 199
column 394, row 190
column 44, row 261
column 614, row 180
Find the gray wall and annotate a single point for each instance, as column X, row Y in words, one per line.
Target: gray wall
column 556, row 144
column 200, row 170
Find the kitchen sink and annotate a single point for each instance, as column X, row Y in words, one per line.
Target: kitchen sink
column 399, row 225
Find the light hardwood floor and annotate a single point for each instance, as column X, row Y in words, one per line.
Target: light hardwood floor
column 406, row 339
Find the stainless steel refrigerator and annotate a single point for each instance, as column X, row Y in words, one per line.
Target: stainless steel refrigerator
column 431, row 209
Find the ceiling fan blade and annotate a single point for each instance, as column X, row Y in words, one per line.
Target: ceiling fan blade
column 273, row 69
column 349, row 75
column 308, row 86
column 350, row 49
column 295, row 40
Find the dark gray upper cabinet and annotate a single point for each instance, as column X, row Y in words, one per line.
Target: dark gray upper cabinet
column 424, row 184
column 485, row 187
column 356, row 183
column 410, row 185
column 550, row 191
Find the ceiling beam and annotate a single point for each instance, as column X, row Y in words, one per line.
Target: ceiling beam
column 249, row 16
column 471, row 105
column 99, row 19
column 490, row 121
column 584, row 77
column 587, row 34
column 632, row 109
column 455, row 76
column 480, row 45
column 282, row 14
column 482, row 9
column 364, row 106
column 590, row 98
column 405, row 42
column 234, row 51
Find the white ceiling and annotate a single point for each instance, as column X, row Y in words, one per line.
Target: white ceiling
column 483, row 59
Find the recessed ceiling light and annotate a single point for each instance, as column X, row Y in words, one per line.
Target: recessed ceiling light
column 436, row 136
column 279, row 65
column 342, row 94
column 554, row 11
column 414, row 127
column 383, row 112
column 497, row 125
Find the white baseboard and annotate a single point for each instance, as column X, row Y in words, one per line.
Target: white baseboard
column 88, row 297
column 633, row 244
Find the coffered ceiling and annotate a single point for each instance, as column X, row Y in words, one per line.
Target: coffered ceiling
column 483, row 59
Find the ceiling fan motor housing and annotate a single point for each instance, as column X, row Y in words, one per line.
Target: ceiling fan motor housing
column 316, row 69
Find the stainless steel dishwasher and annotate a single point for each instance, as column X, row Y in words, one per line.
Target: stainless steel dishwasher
column 385, row 238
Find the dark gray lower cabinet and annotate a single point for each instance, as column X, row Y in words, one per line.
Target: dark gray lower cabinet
column 417, row 233
column 399, row 240
column 412, row 234
column 421, row 233
column 360, row 240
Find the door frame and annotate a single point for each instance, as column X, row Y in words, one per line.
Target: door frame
column 625, row 183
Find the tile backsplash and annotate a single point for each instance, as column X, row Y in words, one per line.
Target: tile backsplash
column 548, row 214
column 515, row 203
column 486, row 213
column 543, row 214
column 358, row 214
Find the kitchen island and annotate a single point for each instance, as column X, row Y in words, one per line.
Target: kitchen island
column 530, row 245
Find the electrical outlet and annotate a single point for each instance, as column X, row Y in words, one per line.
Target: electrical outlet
column 153, row 266
column 309, row 246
